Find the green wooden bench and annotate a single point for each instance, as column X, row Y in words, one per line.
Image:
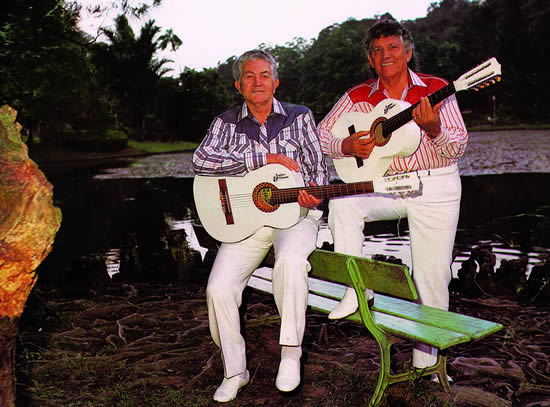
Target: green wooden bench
column 391, row 319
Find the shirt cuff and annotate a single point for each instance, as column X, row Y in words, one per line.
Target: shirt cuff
column 331, row 145
column 441, row 139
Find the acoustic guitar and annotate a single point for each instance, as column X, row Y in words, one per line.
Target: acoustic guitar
column 233, row 208
column 391, row 125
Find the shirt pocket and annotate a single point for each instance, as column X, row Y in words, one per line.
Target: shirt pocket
column 286, row 144
column 239, row 143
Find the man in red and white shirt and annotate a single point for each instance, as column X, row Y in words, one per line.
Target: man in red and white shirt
column 433, row 212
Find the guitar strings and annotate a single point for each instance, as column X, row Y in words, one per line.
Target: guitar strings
column 287, row 195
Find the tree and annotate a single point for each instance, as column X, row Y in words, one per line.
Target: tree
column 290, row 59
column 190, row 107
column 129, row 70
column 332, row 64
column 43, row 65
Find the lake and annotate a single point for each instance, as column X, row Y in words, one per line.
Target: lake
column 504, row 174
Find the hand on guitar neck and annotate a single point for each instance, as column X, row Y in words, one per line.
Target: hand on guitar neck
column 305, row 199
column 427, row 117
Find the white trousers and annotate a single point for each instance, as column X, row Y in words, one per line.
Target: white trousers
column 432, row 216
column 234, row 264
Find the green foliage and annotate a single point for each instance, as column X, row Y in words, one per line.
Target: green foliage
column 160, row 147
column 57, row 77
column 45, row 74
column 129, row 71
column 334, row 63
column 109, row 140
column 290, row 58
column 188, row 105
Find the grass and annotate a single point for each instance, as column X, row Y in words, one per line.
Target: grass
column 160, row 147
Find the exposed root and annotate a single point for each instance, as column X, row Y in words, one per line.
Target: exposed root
column 208, row 366
column 121, row 331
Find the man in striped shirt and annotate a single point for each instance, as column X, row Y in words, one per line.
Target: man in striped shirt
column 432, row 212
column 259, row 132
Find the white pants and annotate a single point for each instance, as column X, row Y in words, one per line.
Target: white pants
column 432, row 216
column 234, row 264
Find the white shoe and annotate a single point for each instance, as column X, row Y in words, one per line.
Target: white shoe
column 230, row 387
column 288, row 377
column 348, row 305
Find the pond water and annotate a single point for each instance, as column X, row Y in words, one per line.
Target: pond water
column 504, row 174
column 488, row 153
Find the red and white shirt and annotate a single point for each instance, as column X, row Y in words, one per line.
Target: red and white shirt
column 440, row 151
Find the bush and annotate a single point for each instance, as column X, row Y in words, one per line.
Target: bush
column 109, row 140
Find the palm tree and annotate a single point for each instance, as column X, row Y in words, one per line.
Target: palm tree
column 130, row 72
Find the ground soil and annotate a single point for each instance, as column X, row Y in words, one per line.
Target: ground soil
column 149, row 345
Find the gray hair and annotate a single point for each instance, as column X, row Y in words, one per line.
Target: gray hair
column 252, row 55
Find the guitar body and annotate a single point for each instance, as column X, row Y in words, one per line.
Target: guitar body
column 233, row 208
column 240, row 211
column 402, row 142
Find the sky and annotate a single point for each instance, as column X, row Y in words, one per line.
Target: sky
column 212, row 31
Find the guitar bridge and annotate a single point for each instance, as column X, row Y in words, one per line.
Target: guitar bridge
column 358, row 160
column 225, row 202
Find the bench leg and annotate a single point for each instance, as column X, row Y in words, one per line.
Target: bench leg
column 439, row 368
column 386, row 379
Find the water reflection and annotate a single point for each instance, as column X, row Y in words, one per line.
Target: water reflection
column 396, row 245
column 489, row 153
column 112, row 261
column 192, row 239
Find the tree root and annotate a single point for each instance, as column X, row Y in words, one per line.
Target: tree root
column 208, row 366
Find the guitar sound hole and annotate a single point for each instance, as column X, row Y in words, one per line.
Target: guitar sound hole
column 263, row 197
column 377, row 130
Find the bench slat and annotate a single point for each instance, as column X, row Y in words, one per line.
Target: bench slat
column 406, row 329
column 473, row 327
column 316, row 286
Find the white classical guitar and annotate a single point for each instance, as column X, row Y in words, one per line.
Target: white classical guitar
column 233, row 208
column 391, row 125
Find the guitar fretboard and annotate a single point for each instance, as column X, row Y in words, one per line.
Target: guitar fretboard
column 405, row 116
column 287, row 195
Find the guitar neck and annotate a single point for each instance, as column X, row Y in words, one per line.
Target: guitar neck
column 288, row 195
column 402, row 118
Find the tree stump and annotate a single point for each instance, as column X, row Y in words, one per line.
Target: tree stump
column 28, row 224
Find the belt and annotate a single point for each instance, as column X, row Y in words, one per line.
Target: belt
column 437, row 171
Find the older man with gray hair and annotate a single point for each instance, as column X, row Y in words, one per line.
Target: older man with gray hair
column 259, row 132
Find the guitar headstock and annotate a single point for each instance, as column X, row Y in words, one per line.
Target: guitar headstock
column 397, row 184
column 483, row 75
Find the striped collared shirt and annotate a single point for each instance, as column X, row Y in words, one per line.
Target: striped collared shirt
column 237, row 143
column 440, row 151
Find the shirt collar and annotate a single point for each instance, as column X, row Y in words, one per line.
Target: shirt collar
column 276, row 108
column 414, row 80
